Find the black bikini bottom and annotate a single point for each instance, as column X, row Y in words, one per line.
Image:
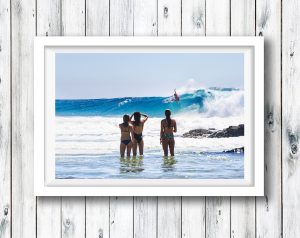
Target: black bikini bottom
column 138, row 137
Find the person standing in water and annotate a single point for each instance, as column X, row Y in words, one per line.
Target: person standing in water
column 138, row 126
column 167, row 129
column 126, row 133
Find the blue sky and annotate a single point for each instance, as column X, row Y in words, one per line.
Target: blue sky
column 110, row 75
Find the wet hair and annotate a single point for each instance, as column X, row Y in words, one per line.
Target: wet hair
column 137, row 118
column 168, row 117
column 126, row 119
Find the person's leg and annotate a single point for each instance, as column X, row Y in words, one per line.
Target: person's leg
column 172, row 145
column 122, row 149
column 134, row 148
column 129, row 146
column 141, row 147
column 165, row 147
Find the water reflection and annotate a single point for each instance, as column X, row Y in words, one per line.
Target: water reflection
column 168, row 163
column 131, row 164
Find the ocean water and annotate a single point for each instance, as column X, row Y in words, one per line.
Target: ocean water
column 88, row 137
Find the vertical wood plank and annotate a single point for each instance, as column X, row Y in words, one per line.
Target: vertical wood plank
column 97, row 208
column 193, row 217
column 73, row 208
column 121, row 217
column 217, row 17
column 145, row 17
column 48, row 217
column 97, row 217
column 121, row 17
column 242, row 208
column 145, row 208
column 193, row 17
column 169, row 217
column 193, row 208
column 73, row 17
column 169, row 17
column 290, row 117
column 218, row 208
column 97, row 18
column 268, row 208
column 5, row 120
column 48, row 208
column 23, row 200
column 169, row 208
column 145, row 217
column 121, row 208
column 217, row 217
column 73, row 217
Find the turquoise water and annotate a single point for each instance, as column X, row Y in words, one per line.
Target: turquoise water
column 88, row 137
column 152, row 166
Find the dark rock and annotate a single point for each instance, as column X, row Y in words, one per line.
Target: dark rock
column 232, row 131
column 235, row 150
column 197, row 133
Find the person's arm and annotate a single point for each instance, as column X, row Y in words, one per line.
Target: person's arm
column 175, row 126
column 161, row 131
column 145, row 117
column 131, row 117
column 132, row 134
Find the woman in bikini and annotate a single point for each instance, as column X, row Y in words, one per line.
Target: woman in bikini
column 126, row 133
column 168, row 127
column 138, row 126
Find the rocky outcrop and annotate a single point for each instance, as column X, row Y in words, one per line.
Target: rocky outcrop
column 235, row 150
column 231, row 131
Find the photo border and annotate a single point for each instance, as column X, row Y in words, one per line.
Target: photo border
column 45, row 183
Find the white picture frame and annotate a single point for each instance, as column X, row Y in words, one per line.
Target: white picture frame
column 45, row 183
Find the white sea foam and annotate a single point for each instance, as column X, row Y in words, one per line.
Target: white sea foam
column 101, row 135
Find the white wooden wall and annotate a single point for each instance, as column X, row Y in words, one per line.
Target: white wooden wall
column 274, row 215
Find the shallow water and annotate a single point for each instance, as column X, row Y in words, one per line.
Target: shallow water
column 211, row 165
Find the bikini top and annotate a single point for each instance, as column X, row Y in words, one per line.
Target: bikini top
column 165, row 124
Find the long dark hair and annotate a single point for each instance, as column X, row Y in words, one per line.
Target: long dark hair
column 168, row 117
column 137, row 118
column 126, row 119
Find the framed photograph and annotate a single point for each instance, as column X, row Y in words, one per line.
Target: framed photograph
column 149, row 116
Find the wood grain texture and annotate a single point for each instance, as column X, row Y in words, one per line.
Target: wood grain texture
column 73, row 17
column 48, row 223
column 218, row 208
column 193, row 217
column 97, row 18
column 97, row 208
column 73, row 217
column 169, row 17
column 97, row 217
column 169, row 208
column 217, row 18
column 48, row 20
column 193, row 17
column 121, row 17
column 48, row 23
column 73, row 209
column 5, row 120
column 145, row 17
column 145, row 217
column 217, row 217
column 121, row 208
column 23, row 200
column 242, row 208
column 169, row 217
column 290, row 117
column 121, row 217
column 145, row 208
column 193, row 208
column 268, row 208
